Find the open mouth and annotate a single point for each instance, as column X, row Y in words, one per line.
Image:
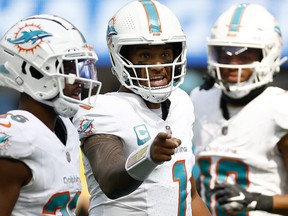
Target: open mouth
column 232, row 79
column 158, row 80
column 76, row 94
column 76, row 97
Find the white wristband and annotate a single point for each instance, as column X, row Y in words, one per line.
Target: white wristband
column 139, row 163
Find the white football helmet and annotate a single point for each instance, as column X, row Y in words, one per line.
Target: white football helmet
column 146, row 22
column 33, row 54
column 241, row 27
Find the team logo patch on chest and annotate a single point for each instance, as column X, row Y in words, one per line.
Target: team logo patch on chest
column 86, row 126
column 142, row 134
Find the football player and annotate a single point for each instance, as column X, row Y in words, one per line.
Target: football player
column 137, row 141
column 241, row 124
column 47, row 60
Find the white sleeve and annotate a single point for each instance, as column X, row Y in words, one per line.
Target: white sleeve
column 280, row 110
column 102, row 119
column 16, row 141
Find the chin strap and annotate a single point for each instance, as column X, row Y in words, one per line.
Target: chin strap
column 225, row 99
column 243, row 100
column 65, row 108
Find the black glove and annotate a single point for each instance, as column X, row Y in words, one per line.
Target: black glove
column 235, row 198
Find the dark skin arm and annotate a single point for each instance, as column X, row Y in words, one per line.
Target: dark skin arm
column 280, row 202
column 14, row 175
column 198, row 206
column 106, row 156
column 107, row 160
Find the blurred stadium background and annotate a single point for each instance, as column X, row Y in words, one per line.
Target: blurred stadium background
column 91, row 17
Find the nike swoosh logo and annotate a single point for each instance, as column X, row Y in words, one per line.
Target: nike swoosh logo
column 6, row 125
column 237, row 198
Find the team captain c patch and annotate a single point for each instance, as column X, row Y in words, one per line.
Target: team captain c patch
column 142, row 134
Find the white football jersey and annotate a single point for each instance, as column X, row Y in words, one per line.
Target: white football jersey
column 166, row 191
column 242, row 149
column 55, row 185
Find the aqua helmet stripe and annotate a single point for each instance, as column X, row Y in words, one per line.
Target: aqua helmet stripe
column 152, row 16
column 236, row 18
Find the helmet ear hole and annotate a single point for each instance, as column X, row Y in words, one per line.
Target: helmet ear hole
column 35, row 73
column 23, row 67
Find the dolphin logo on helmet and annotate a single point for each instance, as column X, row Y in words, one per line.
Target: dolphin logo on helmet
column 33, row 36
